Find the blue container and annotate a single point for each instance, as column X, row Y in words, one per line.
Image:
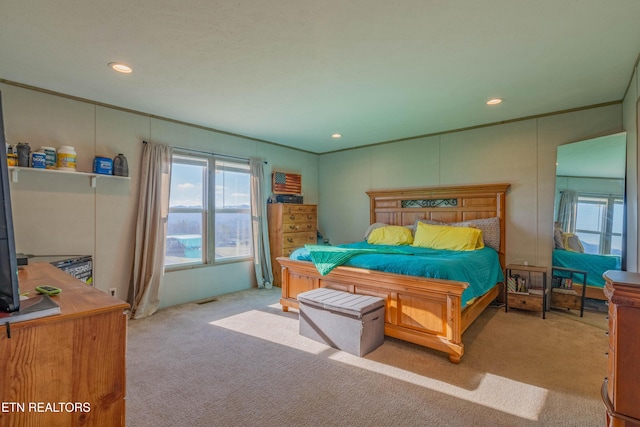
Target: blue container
column 103, row 165
column 38, row 160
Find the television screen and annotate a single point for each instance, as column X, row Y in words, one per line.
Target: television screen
column 9, row 292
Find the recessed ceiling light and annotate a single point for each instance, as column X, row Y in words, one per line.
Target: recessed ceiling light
column 120, row 67
column 336, row 135
column 494, row 101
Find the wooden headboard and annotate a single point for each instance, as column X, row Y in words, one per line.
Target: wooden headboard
column 447, row 204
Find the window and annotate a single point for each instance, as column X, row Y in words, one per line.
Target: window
column 209, row 213
column 232, row 210
column 188, row 212
column 599, row 224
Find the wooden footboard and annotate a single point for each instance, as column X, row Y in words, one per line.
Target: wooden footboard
column 423, row 311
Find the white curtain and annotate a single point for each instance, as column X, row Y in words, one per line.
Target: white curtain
column 261, row 251
column 153, row 210
column 567, row 211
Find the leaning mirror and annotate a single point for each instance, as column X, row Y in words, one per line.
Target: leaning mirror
column 589, row 212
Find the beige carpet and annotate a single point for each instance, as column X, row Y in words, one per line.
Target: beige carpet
column 239, row 361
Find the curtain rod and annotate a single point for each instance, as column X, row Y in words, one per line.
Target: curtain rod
column 591, row 194
column 589, row 177
column 191, row 150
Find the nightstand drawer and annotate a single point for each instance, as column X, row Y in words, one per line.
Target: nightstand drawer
column 525, row 302
column 566, row 300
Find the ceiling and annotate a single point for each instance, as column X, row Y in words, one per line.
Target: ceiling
column 602, row 157
column 293, row 72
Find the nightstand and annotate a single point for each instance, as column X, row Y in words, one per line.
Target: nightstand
column 563, row 295
column 520, row 290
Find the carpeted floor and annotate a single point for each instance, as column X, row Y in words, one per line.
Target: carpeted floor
column 239, row 361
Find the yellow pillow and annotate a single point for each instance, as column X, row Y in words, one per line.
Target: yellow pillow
column 447, row 237
column 391, row 235
column 572, row 243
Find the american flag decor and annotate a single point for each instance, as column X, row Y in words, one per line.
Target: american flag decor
column 286, row 183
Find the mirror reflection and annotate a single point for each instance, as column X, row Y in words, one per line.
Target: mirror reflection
column 589, row 208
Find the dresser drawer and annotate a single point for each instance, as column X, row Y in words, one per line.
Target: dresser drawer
column 297, row 240
column 298, row 218
column 611, row 376
column 612, row 326
column 288, row 251
column 289, row 209
column 295, row 227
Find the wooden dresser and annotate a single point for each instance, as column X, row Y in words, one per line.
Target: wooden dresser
column 291, row 226
column 67, row 369
column 621, row 389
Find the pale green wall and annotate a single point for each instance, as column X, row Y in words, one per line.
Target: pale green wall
column 63, row 215
column 630, row 120
column 521, row 153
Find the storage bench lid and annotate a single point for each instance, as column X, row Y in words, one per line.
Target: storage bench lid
column 342, row 302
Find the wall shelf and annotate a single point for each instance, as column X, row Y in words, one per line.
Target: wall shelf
column 14, row 171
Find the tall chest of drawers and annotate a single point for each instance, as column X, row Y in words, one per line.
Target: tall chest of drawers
column 291, row 226
column 621, row 389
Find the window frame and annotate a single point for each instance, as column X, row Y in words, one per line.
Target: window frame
column 191, row 159
column 209, row 209
column 606, row 232
column 221, row 210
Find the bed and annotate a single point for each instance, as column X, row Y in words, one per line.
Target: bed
column 594, row 265
column 422, row 310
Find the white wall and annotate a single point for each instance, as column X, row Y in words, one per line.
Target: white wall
column 521, row 153
column 56, row 214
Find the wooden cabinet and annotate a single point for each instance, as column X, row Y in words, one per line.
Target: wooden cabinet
column 67, row 369
column 291, row 226
column 621, row 389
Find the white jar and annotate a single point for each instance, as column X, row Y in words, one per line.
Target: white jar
column 66, row 158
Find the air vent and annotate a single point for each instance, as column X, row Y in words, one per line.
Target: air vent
column 206, row 301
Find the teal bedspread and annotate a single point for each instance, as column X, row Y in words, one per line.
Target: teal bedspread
column 480, row 268
column 594, row 265
column 326, row 258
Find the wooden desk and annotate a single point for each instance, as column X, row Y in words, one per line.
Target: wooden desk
column 67, row 369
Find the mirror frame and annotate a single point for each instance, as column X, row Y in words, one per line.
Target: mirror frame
column 625, row 178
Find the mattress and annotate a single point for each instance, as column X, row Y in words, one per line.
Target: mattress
column 479, row 268
column 593, row 265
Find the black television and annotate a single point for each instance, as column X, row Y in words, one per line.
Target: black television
column 9, row 291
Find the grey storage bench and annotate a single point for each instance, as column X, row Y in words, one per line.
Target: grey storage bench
column 348, row 322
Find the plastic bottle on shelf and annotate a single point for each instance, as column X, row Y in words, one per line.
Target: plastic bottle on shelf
column 66, row 158
column 12, row 159
column 23, row 151
column 120, row 165
column 51, row 162
column 39, row 159
column 103, row 165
